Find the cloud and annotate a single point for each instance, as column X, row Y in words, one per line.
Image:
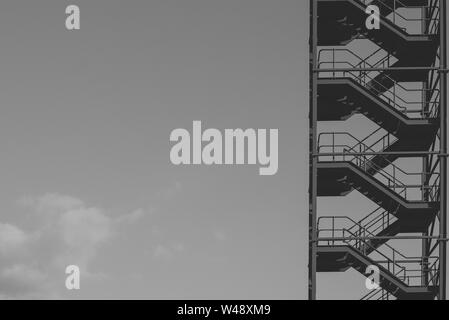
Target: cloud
column 132, row 217
column 162, row 252
column 69, row 232
column 220, row 236
column 84, row 227
column 52, row 203
column 12, row 239
column 169, row 192
column 167, row 252
column 21, row 280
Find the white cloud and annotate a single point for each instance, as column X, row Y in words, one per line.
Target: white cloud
column 69, row 232
column 162, row 252
column 220, row 236
column 52, row 203
column 21, row 280
column 169, row 192
column 85, row 227
column 11, row 239
column 131, row 217
column 167, row 252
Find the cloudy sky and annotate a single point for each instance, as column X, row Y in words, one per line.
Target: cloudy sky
column 84, row 133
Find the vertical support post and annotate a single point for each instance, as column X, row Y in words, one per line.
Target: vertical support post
column 425, row 242
column 443, row 150
column 313, row 173
column 426, row 96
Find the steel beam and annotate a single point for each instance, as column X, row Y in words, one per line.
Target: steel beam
column 443, row 149
column 313, row 173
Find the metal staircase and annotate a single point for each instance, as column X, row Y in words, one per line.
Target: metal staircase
column 398, row 87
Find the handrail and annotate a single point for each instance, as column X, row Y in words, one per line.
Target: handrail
column 395, row 98
column 387, row 140
column 384, row 218
column 352, row 66
column 359, row 143
column 362, row 75
column 372, row 295
column 363, row 61
column 391, row 100
column 392, row 261
column 356, row 224
column 362, row 249
column 392, row 179
column 366, row 138
column 391, row 264
column 396, row 14
column 373, row 54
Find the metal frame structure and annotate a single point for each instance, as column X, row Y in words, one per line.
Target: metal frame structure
column 383, row 85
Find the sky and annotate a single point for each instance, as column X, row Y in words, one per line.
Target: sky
column 84, row 133
column 85, row 127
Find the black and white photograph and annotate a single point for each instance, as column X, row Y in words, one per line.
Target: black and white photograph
column 223, row 156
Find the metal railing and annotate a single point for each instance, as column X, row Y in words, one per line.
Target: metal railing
column 339, row 60
column 430, row 20
column 381, row 141
column 344, row 147
column 412, row 271
column 379, row 294
column 376, row 222
column 338, row 225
